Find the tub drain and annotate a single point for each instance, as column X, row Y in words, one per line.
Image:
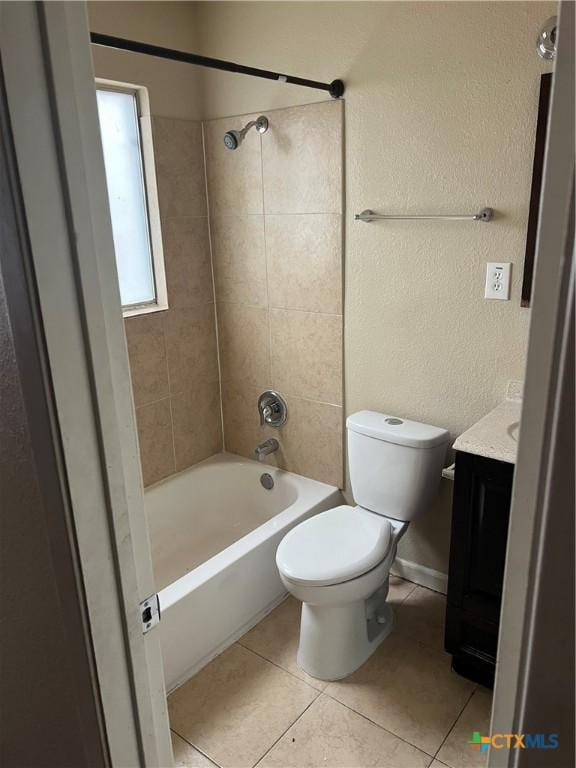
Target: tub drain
column 267, row 481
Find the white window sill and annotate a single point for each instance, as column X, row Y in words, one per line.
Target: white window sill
column 144, row 310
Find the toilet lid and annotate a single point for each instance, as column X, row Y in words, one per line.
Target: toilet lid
column 334, row 546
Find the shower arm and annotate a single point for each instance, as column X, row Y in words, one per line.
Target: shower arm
column 335, row 88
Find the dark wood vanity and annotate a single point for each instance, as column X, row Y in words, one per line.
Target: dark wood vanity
column 480, row 516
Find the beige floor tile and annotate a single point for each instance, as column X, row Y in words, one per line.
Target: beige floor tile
column 276, row 639
column 456, row 752
column 237, row 707
column 398, row 590
column 329, row 734
column 186, row 756
column 437, row 764
column 422, row 616
column 408, row 689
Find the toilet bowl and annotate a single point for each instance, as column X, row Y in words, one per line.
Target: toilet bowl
column 338, row 562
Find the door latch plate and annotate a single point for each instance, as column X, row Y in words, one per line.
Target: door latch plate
column 150, row 613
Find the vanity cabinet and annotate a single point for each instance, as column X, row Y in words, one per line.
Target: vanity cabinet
column 480, row 516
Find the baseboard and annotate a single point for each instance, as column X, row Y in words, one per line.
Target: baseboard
column 419, row 574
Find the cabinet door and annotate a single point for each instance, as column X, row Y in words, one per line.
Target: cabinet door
column 481, row 509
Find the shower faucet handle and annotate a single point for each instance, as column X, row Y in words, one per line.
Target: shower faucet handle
column 272, row 409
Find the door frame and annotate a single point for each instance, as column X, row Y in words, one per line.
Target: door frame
column 543, row 493
column 49, row 84
column 52, row 110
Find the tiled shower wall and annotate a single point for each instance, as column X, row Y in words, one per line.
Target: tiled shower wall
column 173, row 354
column 276, row 227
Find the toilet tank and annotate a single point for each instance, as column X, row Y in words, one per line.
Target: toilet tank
column 395, row 464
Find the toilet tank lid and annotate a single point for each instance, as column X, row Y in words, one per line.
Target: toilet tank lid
column 394, row 429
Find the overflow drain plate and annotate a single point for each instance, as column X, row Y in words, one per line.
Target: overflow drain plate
column 267, row 481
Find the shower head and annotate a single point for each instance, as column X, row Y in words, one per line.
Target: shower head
column 233, row 139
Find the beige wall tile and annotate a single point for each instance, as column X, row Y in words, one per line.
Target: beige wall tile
column 237, row 707
column 242, row 429
column 155, row 440
column 234, row 176
column 191, row 346
column 306, row 354
column 304, row 258
column 147, row 353
column 312, row 441
column 302, row 160
column 243, row 337
column 179, row 158
column 187, row 260
column 330, row 734
column 197, row 424
column 239, row 259
column 408, row 689
column 456, row 751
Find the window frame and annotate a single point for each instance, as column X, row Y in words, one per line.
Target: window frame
column 144, row 119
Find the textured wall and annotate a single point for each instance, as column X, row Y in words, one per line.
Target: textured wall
column 276, row 232
column 440, row 115
column 174, row 87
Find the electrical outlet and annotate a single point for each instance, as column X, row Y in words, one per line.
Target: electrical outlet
column 498, row 280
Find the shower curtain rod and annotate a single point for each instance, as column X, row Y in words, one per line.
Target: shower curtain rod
column 335, row 88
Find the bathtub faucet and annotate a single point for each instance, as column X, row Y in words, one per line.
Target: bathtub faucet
column 265, row 448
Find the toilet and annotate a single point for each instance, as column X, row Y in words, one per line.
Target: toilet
column 338, row 562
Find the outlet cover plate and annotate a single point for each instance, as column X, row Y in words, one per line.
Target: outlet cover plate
column 498, row 280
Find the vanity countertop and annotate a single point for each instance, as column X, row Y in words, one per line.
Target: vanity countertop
column 496, row 435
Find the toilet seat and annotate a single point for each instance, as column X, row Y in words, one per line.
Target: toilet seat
column 334, row 546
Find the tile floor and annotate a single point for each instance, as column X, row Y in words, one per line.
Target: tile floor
column 404, row 708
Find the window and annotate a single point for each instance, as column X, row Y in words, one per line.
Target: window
column 128, row 159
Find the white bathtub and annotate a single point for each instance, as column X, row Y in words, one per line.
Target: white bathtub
column 214, row 531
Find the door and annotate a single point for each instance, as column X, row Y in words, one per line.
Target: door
column 53, row 120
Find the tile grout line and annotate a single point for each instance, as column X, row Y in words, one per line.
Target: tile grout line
column 324, row 691
column 211, row 248
column 169, row 396
column 246, row 648
column 268, row 307
column 293, row 723
column 378, row 725
column 468, row 700
column 194, row 746
column 266, row 263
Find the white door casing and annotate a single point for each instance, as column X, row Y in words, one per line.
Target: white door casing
column 52, row 104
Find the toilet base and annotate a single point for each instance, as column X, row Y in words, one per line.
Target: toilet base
column 335, row 640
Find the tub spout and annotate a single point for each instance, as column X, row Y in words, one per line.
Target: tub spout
column 265, row 448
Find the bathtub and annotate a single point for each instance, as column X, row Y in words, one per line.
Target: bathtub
column 214, row 530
